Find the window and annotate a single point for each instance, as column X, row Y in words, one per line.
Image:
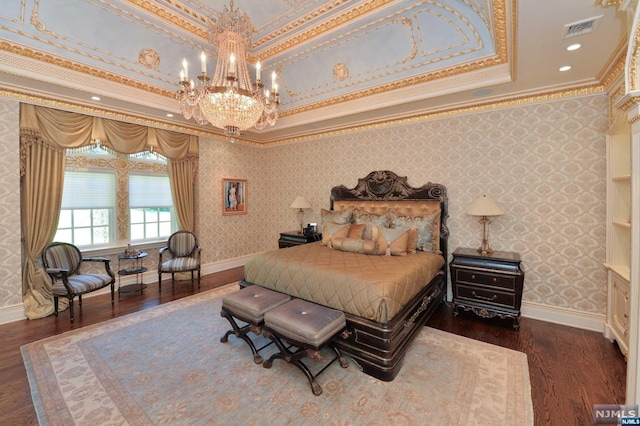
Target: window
column 88, row 208
column 97, row 185
column 150, row 207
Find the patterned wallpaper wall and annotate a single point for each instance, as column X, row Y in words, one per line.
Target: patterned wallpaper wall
column 10, row 267
column 543, row 163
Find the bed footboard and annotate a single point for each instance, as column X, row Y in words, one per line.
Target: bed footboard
column 379, row 349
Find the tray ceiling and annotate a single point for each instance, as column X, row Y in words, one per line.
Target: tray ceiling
column 340, row 63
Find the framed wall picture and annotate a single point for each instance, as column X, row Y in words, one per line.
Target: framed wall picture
column 234, row 196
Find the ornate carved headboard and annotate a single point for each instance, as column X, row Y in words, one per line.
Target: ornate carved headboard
column 384, row 189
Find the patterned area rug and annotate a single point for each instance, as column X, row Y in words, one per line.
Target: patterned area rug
column 166, row 365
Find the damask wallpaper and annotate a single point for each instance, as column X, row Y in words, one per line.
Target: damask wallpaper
column 10, row 267
column 543, row 163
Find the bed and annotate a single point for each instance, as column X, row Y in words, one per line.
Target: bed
column 382, row 261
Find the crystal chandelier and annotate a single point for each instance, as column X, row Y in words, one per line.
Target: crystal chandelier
column 229, row 100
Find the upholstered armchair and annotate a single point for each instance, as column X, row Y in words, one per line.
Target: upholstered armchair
column 62, row 262
column 181, row 254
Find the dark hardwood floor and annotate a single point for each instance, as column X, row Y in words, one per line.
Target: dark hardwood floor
column 570, row 369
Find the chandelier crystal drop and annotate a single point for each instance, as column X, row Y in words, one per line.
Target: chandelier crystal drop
column 229, row 100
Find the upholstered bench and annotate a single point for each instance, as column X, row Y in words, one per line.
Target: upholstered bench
column 307, row 328
column 249, row 305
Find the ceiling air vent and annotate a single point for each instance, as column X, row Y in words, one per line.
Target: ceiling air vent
column 581, row 27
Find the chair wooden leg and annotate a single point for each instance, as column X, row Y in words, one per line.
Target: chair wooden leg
column 113, row 287
column 198, row 277
column 80, row 300
column 55, row 305
column 172, row 279
column 159, row 282
column 71, row 310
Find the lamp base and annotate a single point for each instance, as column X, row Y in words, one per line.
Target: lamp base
column 301, row 220
column 484, row 248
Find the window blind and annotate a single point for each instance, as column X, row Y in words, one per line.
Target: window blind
column 149, row 191
column 83, row 190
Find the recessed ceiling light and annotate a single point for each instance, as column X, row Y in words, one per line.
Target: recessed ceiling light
column 95, row 98
column 574, row 46
column 564, row 68
column 169, row 115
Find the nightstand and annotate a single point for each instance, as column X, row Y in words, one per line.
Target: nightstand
column 295, row 238
column 488, row 285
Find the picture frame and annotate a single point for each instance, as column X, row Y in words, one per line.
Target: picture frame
column 234, row 196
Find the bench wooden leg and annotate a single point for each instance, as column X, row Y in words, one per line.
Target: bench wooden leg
column 241, row 333
column 296, row 357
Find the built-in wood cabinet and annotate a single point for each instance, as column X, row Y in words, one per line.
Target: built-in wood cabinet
column 618, row 257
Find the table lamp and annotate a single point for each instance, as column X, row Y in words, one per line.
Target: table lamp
column 300, row 203
column 485, row 207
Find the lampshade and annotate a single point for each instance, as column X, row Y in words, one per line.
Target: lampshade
column 300, row 203
column 485, row 206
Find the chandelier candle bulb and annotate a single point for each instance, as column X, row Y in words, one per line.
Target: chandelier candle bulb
column 258, row 72
column 273, row 81
column 232, row 63
column 203, row 60
column 185, row 66
column 182, row 75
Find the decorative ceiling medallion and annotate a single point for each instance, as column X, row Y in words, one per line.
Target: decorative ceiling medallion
column 340, row 72
column 149, row 58
column 84, row 69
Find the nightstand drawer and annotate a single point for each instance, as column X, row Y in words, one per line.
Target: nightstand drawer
column 494, row 280
column 486, row 296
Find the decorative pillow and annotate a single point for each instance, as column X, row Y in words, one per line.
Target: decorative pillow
column 335, row 216
column 412, row 240
column 393, row 241
column 334, row 230
column 428, row 229
column 356, row 231
column 370, row 220
column 354, row 245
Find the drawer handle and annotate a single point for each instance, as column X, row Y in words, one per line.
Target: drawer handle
column 495, row 280
column 490, row 299
column 473, row 277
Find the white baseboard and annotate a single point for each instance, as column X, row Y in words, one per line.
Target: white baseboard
column 564, row 316
column 12, row 313
column 16, row 312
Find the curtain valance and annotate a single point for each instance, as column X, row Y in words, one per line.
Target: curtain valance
column 74, row 130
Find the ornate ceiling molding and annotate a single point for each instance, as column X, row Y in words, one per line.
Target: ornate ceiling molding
column 81, row 68
column 501, row 57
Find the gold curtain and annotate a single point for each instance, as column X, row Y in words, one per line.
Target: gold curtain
column 45, row 134
column 182, row 175
column 41, row 199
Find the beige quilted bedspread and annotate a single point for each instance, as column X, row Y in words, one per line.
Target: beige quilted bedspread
column 368, row 286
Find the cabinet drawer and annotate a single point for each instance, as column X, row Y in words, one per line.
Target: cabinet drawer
column 486, row 296
column 503, row 281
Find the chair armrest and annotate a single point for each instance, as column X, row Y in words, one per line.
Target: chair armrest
column 58, row 274
column 57, row 271
column 96, row 259
column 160, row 251
column 105, row 260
